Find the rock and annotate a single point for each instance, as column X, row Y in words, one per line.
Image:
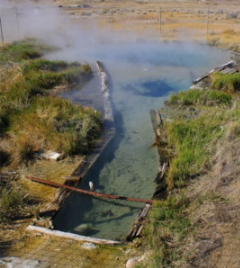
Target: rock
column 13, row 262
column 131, row 262
column 83, row 229
column 50, row 155
column 88, row 245
column 91, row 186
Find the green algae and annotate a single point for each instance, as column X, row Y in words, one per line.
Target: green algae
column 62, row 252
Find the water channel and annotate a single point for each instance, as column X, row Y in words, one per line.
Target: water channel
column 143, row 75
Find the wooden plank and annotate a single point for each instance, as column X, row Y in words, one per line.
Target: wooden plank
column 138, row 226
column 143, row 213
column 217, row 69
column 91, row 193
column 140, row 229
column 76, row 237
column 229, row 71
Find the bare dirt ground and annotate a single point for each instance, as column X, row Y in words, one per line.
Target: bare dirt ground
column 217, row 213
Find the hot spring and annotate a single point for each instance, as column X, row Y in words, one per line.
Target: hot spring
column 143, row 74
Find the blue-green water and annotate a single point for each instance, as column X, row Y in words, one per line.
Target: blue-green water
column 143, row 75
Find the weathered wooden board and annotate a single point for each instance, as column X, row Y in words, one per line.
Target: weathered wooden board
column 76, row 237
column 217, row 69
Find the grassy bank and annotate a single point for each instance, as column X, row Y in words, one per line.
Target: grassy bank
column 204, row 125
column 34, row 120
column 50, row 123
column 227, row 39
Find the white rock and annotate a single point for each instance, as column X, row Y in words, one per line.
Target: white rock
column 83, row 228
column 131, row 262
column 13, row 262
column 50, row 155
column 127, row 251
column 88, row 245
column 91, row 186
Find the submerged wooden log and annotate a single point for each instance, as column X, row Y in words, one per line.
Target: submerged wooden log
column 139, row 224
column 143, row 213
column 37, row 229
column 91, row 193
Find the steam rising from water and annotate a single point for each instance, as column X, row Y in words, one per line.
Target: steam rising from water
column 143, row 74
column 85, row 41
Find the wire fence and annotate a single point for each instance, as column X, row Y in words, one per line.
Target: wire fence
column 159, row 19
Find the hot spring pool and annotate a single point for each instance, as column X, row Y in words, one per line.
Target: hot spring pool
column 143, row 75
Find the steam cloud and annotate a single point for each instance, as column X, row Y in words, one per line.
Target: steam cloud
column 48, row 24
column 83, row 40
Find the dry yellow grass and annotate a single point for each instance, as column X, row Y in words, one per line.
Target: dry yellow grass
column 52, row 171
column 177, row 18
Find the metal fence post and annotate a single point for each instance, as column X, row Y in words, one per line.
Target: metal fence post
column 1, row 30
column 160, row 20
column 111, row 16
column 17, row 22
column 207, row 19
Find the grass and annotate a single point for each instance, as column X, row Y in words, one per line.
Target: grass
column 227, row 82
column 32, row 121
column 53, row 124
column 25, row 96
column 193, row 142
column 227, row 38
column 10, row 202
column 22, row 50
column 201, row 97
column 12, row 199
column 45, row 74
column 168, row 225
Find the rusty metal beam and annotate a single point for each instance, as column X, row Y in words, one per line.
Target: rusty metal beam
column 86, row 192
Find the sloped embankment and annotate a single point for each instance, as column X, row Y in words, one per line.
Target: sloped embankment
column 197, row 225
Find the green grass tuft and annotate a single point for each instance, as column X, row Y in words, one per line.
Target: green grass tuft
column 227, row 82
column 33, row 120
column 168, row 225
column 20, row 50
column 53, row 124
column 200, row 97
column 192, row 141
